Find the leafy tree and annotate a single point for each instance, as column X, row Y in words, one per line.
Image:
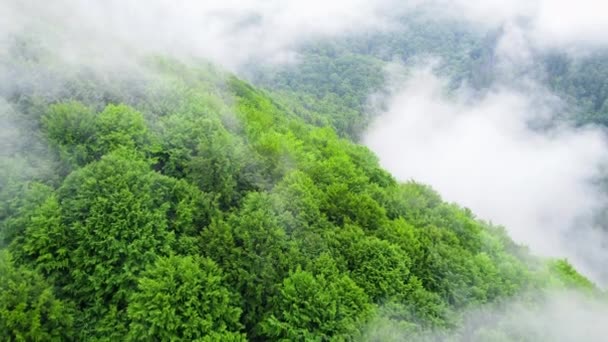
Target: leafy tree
column 19, row 209
column 377, row 266
column 108, row 221
column 205, row 208
column 71, row 128
column 298, row 196
column 568, row 275
column 120, row 126
column 313, row 308
column 217, row 164
column 183, row 298
column 253, row 249
column 29, row 310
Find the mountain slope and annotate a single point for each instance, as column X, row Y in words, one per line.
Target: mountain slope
column 179, row 202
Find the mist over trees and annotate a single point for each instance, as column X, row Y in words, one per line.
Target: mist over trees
column 167, row 198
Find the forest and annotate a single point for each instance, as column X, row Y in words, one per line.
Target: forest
column 182, row 201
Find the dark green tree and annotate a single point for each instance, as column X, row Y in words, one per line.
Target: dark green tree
column 254, row 251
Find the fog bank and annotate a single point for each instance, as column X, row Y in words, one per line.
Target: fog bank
column 486, row 154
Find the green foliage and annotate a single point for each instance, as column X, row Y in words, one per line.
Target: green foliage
column 80, row 136
column 71, row 127
column 328, row 87
column 218, row 164
column 335, row 77
column 107, row 222
column 582, row 82
column 19, row 209
column 120, row 126
column 567, row 275
column 253, row 249
column 183, row 298
column 377, row 266
column 190, row 205
column 29, row 310
column 313, row 308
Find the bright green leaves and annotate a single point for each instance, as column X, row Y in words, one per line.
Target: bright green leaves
column 114, row 219
column 29, row 310
column 108, row 221
column 297, row 203
column 218, row 163
column 221, row 213
column 120, row 126
column 401, row 244
column 313, row 308
column 569, row 277
column 201, row 150
column 258, row 112
column 115, row 227
column 82, row 136
column 18, row 211
column 329, row 86
column 377, row 266
column 39, row 243
column 183, row 298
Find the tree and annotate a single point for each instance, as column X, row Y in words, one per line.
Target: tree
column 107, row 222
column 70, row 127
column 379, row 267
column 183, row 298
column 253, row 249
column 29, row 310
column 315, row 308
column 216, row 164
column 120, row 126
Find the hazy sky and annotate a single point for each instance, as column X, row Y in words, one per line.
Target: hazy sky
column 549, row 23
column 231, row 32
column 228, row 32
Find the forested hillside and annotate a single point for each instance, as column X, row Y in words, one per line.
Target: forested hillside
column 357, row 75
column 178, row 202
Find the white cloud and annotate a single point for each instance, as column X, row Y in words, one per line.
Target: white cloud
column 558, row 317
column 230, row 32
column 226, row 31
column 564, row 24
column 482, row 154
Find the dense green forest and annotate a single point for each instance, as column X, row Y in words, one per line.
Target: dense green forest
column 179, row 202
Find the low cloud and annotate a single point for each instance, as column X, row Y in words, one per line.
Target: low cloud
column 228, row 32
column 484, row 154
column 235, row 32
column 562, row 24
column 557, row 317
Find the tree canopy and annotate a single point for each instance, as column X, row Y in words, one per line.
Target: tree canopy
column 192, row 205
